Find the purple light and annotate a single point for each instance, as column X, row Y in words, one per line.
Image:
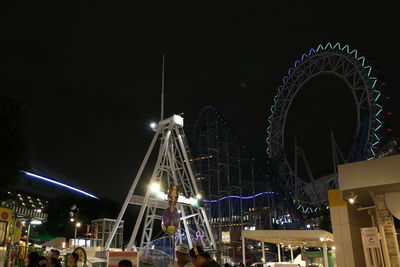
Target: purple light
column 60, row 184
column 238, row 197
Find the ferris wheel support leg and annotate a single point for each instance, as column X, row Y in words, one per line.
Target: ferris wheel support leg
column 187, row 231
column 146, row 198
column 130, row 193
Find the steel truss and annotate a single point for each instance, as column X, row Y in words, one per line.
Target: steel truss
column 233, row 184
column 350, row 67
column 172, row 166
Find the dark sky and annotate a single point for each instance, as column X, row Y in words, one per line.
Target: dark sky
column 91, row 73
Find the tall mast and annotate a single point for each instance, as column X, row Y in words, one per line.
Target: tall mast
column 162, row 88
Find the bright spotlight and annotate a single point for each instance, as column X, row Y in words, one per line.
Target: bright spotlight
column 352, row 197
column 198, row 196
column 155, row 187
column 36, row 222
column 153, row 125
column 78, row 224
column 333, row 248
column 308, row 226
column 72, row 219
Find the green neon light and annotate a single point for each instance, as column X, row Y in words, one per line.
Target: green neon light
column 354, row 53
column 346, row 47
column 328, row 45
column 375, row 80
column 370, row 69
column 363, row 61
column 337, row 46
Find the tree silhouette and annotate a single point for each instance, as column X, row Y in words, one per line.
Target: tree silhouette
column 15, row 141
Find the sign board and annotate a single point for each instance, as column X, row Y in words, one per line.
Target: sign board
column 114, row 257
column 226, row 237
column 370, row 237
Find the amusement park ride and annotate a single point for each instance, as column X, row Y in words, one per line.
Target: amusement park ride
column 351, row 67
column 214, row 180
column 173, row 167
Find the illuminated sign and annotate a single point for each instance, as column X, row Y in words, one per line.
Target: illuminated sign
column 226, row 237
column 282, row 220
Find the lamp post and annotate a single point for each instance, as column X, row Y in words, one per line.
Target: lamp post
column 77, row 225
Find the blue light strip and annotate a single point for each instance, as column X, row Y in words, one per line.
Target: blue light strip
column 373, row 80
column 60, row 184
column 238, row 197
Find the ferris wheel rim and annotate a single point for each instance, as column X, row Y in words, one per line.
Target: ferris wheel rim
column 288, row 89
column 339, row 50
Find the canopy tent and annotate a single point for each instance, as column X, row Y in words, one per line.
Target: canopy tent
column 301, row 238
column 304, row 238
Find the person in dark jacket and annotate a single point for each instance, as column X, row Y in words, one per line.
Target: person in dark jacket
column 32, row 259
column 73, row 259
column 42, row 262
column 53, row 262
column 200, row 258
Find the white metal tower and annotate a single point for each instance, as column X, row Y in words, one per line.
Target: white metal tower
column 173, row 166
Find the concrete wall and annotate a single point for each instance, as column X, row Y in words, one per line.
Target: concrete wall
column 346, row 224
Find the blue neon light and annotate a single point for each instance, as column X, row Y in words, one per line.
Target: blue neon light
column 60, row 184
column 372, row 80
column 238, row 197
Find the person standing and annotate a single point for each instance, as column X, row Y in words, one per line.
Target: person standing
column 53, row 262
column 73, row 259
column 182, row 257
column 55, row 253
column 200, row 258
column 32, row 259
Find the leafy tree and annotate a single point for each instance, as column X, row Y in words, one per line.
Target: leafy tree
column 15, row 141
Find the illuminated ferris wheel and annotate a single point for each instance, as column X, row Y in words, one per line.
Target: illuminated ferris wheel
column 349, row 66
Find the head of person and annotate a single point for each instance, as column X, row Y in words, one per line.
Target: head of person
column 182, row 253
column 54, row 262
column 73, row 259
column 124, row 263
column 42, row 261
column 199, row 256
column 32, row 259
column 55, row 253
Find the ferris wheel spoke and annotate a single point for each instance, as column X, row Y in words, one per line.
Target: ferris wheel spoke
column 344, row 63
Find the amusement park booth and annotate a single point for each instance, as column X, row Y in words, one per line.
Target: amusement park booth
column 293, row 239
column 362, row 211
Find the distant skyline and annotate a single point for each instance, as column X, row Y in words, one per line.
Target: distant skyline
column 92, row 75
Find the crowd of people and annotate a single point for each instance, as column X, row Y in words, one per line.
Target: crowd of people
column 53, row 260
column 195, row 257
column 185, row 257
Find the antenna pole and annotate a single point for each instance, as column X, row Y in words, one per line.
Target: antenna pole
column 162, row 88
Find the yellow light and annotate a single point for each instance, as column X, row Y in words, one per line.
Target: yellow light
column 333, row 248
column 78, row 224
column 155, row 187
column 198, row 196
column 351, row 200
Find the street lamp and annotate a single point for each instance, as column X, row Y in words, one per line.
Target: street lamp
column 77, row 225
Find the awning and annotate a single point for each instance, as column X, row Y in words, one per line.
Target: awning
column 305, row 238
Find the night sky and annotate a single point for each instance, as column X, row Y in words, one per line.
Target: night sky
column 91, row 74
